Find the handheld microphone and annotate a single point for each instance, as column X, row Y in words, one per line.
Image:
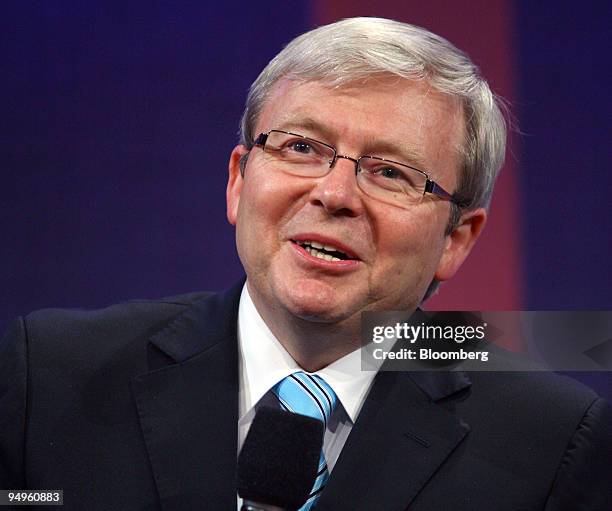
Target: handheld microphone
column 278, row 462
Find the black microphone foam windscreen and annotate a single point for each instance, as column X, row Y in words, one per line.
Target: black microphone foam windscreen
column 279, row 459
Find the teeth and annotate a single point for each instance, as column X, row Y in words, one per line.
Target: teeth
column 315, row 253
column 314, row 244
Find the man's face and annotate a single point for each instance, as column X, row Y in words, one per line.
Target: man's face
column 395, row 252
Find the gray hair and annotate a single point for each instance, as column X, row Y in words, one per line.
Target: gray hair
column 356, row 49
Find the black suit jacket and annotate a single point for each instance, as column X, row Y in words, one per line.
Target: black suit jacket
column 135, row 407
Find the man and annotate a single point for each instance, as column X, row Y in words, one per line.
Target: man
column 367, row 160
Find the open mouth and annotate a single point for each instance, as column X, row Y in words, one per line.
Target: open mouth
column 323, row 251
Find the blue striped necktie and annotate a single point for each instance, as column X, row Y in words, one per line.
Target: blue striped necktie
column 308, row 394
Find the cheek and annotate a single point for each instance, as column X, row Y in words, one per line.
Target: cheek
column 265, row 201
column 255, row 191
column 271, row 198
column 259, row 203
column 250, row 223
column 409, row 250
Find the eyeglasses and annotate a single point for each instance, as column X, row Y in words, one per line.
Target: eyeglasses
column 385, row 180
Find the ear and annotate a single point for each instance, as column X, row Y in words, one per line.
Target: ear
column 459, row 243
column 234, row 183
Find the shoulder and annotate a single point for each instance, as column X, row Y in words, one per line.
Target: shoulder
column 547, row 414
column 534, row 397
column 127, row 317
column 515, row 383
column 551, row 431
column 74, row 339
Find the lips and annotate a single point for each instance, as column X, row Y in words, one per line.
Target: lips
column 326, row 252
column 325, row 248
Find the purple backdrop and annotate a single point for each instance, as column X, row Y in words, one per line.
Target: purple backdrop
column 117, row 121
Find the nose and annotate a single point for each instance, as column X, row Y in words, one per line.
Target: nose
column 337, row 191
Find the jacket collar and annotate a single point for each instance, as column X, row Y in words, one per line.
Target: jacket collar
column 438, row 385
column 205, row 324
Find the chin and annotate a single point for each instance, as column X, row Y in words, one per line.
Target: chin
column 312, row 300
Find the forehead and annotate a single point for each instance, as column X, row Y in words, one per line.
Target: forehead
column 387, row 114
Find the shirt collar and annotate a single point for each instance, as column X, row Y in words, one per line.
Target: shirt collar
column 264, row 362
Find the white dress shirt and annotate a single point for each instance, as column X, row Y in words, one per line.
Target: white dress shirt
column 264, row 362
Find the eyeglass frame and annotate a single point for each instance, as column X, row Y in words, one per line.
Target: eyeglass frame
column 430, row 185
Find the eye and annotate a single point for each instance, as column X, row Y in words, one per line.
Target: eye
column 390, row 176
column 391, row 173
column 303, row 149
column 300, row 146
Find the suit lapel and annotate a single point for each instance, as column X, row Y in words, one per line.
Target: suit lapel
column 398, row 442
column 188, row 410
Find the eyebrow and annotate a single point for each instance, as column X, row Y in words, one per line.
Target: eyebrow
column 404, row 154
column 309, row 124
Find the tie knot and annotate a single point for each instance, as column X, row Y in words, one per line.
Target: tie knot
column 306, row 394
